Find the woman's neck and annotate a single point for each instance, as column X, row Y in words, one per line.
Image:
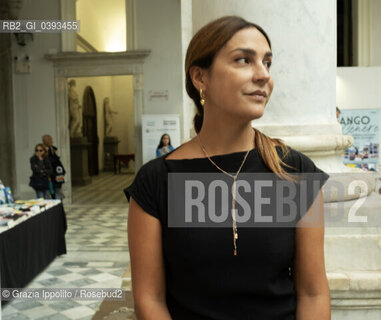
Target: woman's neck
column 222, row 136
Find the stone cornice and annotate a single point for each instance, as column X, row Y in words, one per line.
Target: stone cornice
column 75, row 57
column 355, row 289
column 319, row 143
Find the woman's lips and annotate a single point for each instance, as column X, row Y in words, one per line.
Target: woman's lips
column 256, row 97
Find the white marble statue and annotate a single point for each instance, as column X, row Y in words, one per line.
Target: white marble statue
column 108, row 112
column 75, row 110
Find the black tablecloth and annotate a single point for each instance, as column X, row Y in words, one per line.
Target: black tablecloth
column 27, row 248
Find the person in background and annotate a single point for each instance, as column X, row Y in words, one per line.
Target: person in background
column 58, row 169
column 338, row 111
column 164, row 146
column 42, row 172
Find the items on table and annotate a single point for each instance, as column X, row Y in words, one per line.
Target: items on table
column 11, row 212
column 5, row 194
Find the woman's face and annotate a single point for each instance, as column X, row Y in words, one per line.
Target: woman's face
column 39, row 151
column 165, row 140
column 239, row 80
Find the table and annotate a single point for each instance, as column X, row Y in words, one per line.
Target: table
column 29, row 247
column 125, row 158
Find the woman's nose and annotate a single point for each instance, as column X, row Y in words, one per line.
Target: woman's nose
column 261, row 73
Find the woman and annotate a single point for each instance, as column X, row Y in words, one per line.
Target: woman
column 58, row 176
column 201, row 273
column 164, row 146
column 42, row 171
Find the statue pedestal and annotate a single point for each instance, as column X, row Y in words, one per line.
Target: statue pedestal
column 110, row 148
column 79, row 161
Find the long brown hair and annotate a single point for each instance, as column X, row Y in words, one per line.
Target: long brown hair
column 202, row 49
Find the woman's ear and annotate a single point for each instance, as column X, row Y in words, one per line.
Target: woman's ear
column 198, row 77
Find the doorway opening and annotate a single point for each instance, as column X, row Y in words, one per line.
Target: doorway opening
column 95, row 65
column 108, row 126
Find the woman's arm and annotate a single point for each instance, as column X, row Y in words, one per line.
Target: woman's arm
column 36, row 165
column 311, row 284
column 147, row 265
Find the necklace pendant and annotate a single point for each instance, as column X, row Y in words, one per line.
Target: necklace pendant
column 234, row 213
column 234, row 191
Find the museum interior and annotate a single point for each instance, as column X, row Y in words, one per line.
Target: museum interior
column 98, row 99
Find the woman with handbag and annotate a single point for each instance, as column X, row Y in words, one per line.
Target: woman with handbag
column 42, row 172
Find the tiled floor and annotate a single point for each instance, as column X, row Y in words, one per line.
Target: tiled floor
column 106, row 188
column 97, row 252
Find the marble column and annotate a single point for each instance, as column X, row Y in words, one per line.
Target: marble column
column 7, row 136
column 68, row 39
column 187, row 112
column 302, row 113
column 8, row 10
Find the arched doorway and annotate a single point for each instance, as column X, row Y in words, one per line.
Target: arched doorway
column 90, row 129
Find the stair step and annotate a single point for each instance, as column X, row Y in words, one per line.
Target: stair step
column 356, row 281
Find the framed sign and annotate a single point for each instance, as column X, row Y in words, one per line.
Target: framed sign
column 153, row 127
column 364, row 126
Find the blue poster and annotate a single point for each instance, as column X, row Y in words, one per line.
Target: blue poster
column 364, row 126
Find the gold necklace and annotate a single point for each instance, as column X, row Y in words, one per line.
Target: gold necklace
column 234, row 192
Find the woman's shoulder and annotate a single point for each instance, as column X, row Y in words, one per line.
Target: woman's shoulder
column 187, row 150
column 297, row 160
column 151, row 168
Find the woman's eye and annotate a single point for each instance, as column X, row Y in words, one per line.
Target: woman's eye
column 268, row 64
column 242, row 60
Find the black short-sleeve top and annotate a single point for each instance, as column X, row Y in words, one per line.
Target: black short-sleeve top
column 204, row 280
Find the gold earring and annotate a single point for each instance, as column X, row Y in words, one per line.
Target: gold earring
column 202, row 98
